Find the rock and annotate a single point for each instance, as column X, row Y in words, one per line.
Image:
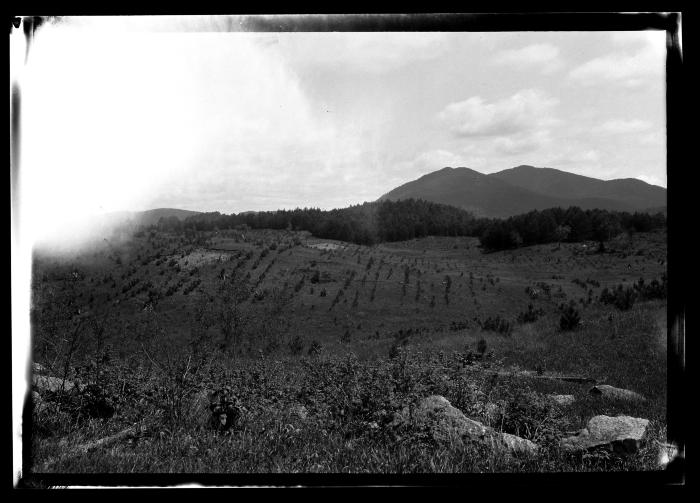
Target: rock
column 449, row 424
column 52, row 384
column 563, row 400
column 607, row 391
column 621, row 434
column 518, row 445
column 444, row 420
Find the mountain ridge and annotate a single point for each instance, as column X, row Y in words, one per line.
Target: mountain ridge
column 525, row 188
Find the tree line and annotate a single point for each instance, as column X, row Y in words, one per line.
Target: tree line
column 375, row 222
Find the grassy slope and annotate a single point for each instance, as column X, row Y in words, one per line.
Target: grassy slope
column 625, row 349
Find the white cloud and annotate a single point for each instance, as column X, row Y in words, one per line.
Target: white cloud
column 639, row 60
column 521, row 143
column 542, row 56
column 622, row 126
column 580, row 159
column 524, row 111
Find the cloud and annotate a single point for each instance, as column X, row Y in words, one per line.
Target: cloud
column 621, row 126
column 524, row 111
column 638, row 60
column 542, row 56
column 521, row 143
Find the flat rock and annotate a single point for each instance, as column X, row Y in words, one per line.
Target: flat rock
column 607, row 391
column 516, row 444
column 621, row 434
column 53, row 384
column 447, row 423
column 563, row 400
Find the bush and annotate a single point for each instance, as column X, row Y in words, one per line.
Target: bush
column 622, row 298
column 570, row 317
column 496, row 324
column 530, row 316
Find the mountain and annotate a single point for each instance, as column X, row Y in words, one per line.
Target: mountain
column 525, row 188
column 635, row 193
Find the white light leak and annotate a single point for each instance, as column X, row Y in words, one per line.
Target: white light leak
column 21, row 272
column 123, row 118
column 103, row 121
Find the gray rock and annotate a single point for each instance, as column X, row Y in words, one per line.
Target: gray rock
column 516, row 444
column 563, row 400
column 445, row 421
column 449, row 424
column 53, row 384
column 621, row 434
column 607, row 391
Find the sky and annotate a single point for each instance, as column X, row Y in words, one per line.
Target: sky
column 135, row 113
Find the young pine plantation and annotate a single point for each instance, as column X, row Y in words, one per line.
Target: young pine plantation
column 272, row 351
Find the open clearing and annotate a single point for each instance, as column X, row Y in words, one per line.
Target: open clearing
column 349, row 332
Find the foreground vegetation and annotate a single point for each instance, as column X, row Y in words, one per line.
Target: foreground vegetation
column 315, row 345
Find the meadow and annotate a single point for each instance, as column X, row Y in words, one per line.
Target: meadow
column 316, row 344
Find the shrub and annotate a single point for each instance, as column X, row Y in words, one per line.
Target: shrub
column 531, row 315
column 570, row 318
column 622, row 298
column 496, row 324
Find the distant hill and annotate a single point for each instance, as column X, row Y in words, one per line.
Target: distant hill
column 150, row 217
column 525, row 188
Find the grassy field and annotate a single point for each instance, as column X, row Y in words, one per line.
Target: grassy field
column 352, row 334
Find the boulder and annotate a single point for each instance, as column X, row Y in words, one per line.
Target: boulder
column 516, row 444
column 607, row 391
column 444, row 420
column 621, row 434
column 562, row 400
column 448, row 424
column 53, row 384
